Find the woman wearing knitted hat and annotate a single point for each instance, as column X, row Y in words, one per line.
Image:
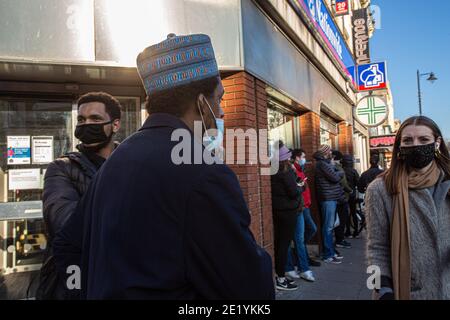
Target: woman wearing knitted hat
column 287, row 202
column 408, row 215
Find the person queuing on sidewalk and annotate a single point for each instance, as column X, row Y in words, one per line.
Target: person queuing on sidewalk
column 342, row 209
column 68, row 177
column 287, row 203
column 305, row 227
column 371, row 174
column 408, row 216
column 164, row 219
column 348, row 163
column 329, row 191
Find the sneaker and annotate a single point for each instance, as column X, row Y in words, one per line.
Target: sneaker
column 338, row 256
column 308, row 276
column 356, row 236
column 332, row 260
column 283, row 284
column 343, row 244
column 314, row 263
column 292, row 275
column 290, row 281
column 347, row 243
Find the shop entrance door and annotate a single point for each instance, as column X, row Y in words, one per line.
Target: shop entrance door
column 33, row 132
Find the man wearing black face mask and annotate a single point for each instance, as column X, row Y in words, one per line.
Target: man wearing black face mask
column 68, row 177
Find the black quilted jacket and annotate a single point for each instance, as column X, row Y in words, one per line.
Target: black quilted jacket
column 328, row 187
column 66, row 180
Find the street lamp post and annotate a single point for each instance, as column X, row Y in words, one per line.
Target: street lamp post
column 431, row 77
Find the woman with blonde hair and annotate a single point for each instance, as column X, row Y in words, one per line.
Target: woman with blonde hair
column 408, row 213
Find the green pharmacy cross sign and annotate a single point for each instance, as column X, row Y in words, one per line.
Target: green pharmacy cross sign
column 371, row 111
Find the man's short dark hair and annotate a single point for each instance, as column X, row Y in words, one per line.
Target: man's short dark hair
column 173, row 100
column 337, row 155
column 112, row 105
column 297, row 153
column 374, row 159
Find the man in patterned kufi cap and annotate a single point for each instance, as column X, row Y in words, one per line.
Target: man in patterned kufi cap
column 155, row 228
column 180, row 77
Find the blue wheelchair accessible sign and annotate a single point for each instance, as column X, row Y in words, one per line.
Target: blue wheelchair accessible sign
column 372, row 76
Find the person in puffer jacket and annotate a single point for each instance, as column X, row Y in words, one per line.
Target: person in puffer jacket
column 68, row 178
column 329, row 191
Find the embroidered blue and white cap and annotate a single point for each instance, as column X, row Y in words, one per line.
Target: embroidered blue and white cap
column 177, row 61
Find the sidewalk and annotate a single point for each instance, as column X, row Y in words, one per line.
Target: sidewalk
column 346, row 281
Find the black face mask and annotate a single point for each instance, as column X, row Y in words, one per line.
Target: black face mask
column 93, row 133
column 418, row 157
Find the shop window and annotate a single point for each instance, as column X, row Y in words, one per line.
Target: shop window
column 28, row 239
column 328, row 132
column 32, row 134
column 282, row 127
column 373, row 131
column 45, row 127
column 387, row 130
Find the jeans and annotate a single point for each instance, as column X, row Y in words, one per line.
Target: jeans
column 328, row 210
column 304, row 231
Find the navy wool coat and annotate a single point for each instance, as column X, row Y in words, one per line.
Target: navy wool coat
column 150, row 229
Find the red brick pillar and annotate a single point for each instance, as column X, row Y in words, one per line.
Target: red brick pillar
column 265, row 192
column 310, row 142
column 310, row 133
column 345, row 138
column 245, row 107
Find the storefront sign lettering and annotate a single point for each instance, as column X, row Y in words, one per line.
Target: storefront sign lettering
column 318, row 14
column 361, row 36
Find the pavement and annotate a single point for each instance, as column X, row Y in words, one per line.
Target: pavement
column 346, row 281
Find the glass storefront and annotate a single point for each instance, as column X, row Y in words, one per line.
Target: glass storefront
column 34, row 132
column 328, row 131
column 283, row 125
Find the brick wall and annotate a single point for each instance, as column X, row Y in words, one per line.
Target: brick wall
column 345, row 138
column 310, row 142
column 245, row 107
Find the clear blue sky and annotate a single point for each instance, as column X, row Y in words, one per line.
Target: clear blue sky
column 415, row 34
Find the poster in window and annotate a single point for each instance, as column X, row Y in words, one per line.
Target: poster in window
column 19, row 151
column 42, row 149
column 24, row 179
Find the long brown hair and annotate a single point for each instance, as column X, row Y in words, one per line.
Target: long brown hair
column 392, row 176
column 284, row 165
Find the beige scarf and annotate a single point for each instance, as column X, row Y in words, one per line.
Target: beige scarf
column 400, row 237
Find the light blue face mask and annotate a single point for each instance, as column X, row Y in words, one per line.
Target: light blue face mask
column 302, row 162
column 213, row 142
